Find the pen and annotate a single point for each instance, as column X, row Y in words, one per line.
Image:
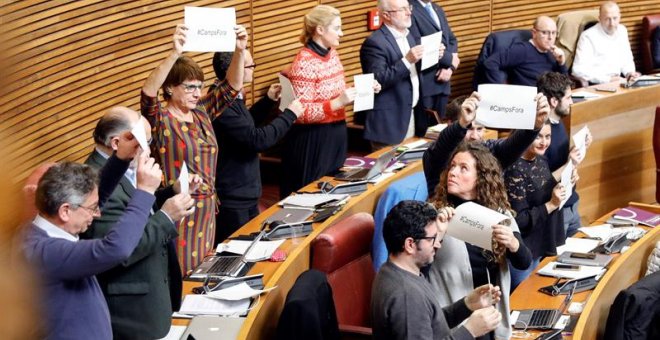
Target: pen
column 490, row 291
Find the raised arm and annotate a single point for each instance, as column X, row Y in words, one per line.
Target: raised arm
column 157, row 77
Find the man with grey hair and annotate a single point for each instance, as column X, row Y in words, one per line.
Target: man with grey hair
column 603, row 51
column 143, row 290
column 68, row 197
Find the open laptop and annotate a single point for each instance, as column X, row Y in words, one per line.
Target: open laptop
column 543, row 318
column 366, row 174
column 223, row 265
column 206, row 327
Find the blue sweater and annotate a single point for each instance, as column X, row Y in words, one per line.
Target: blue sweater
column 72, row 300
column 520, row 64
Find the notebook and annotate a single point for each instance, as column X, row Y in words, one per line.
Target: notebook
column 543, row 318
column 367, row 174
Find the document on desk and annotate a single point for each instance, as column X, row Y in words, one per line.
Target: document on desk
column 364, row 92
column 565, row 181
column 578, row 245
column 473, row 223
column 263, row 250
column 202, row 305
column 287, row 95
column 311, row 200
column 507, row 106
column 431, row 45
column 209, row 29
column 238, row 292
column 584, row 271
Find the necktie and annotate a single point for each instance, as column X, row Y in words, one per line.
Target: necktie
column 432, row 14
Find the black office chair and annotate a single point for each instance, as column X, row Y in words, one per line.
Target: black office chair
column 494, row 42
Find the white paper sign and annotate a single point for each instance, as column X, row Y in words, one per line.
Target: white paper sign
column 566, row 176
column 580, row 141
column 473, row 223
column 287, row 95
column 237, row 292
column 210, row 29
column 431, row 45
column 139, row 134
column 364, row 96
column 506, row 106
column 184, row 179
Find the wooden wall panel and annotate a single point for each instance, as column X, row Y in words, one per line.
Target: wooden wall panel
column 75, row 59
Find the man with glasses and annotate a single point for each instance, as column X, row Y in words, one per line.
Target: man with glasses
column 403, row 303
column 524, row 61
column 68, row 197
column 238, row 178
column 144, row 289
column 603, row 51
column 391, row 54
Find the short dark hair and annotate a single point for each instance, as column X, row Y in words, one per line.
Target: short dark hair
column 110, row 126
column 553, row 85
column 65, row 182
column 184, row 68
column 221, row 61
column 407, row 219
column 453, row 109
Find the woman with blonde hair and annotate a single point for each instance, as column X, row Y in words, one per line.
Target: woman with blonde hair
column 474, row 175
column 316, row 144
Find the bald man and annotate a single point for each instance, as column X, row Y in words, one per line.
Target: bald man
column 143, row 290
column 603, row 51
column 525, row 61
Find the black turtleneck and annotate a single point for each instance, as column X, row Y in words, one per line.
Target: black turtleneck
column 318, row 49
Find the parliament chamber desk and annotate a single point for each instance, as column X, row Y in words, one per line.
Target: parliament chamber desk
column 624, row 270
column 261, row 321
column 619, row 166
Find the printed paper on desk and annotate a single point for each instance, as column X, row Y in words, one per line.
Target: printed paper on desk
column 210, row 29
column 364, row 96
column 507, row 106
column 580, row 140
column 286, row 95
column 566, row 175
column 431, row 45
column 238, row 292
column 139, row 134
column 473, row 224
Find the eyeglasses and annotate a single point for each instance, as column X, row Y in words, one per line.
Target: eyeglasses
column 547, row 33
column 93, row 210
column 190, row 88
column 402, row 9
column 432, row 238
column 253, row 66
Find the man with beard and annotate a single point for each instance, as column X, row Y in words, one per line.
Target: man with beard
column 557, row 88
column 403, row 303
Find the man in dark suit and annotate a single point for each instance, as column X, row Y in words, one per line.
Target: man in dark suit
column 429, row 18
column 143, row 290
column 390, row 53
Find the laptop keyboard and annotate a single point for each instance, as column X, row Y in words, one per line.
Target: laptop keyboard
column 225, row 265
column 542, row 317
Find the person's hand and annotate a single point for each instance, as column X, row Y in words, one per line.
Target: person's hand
column 443, row 74
column 483, row 321
column 504, row 235
column 274, row 91
column 194, row 182
column 377, row 87
column 588, row 139
column 558, row 195
column 455, row 60
column 632, row 76
column 241, row 38
column 127, row 146
column 415, row 54
column 348, row 96
column 469, row 109
column 178, row 206
column 542, row 110
column 575, row 155
column 179, row 38
column 148, row 174
column 559, row 55
column 575, row 176
column 445, row 214
column 482, row 297
column 296, row 107
column 442, row 50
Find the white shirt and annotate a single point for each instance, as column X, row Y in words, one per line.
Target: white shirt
column 53, row 230
column 600, row 56
column 404, row 47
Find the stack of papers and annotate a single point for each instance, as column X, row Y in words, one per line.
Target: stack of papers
column 263, row 250
column 578, row 245
column 237, row 292
column 202, row 305
column 312, row 201
column 584, row 271
column 434, row 131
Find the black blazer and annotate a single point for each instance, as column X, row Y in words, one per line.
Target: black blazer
column 388, row 121
column 142, row 291
column 423, row 25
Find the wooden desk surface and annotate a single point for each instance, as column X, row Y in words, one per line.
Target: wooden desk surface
column 261, row 321
column 624, row 270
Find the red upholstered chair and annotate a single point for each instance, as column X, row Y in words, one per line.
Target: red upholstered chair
column 656, row 152
column 343, row 252
column 30, row 188
column 649, row 23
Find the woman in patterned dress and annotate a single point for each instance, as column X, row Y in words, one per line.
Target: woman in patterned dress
column 183, row 133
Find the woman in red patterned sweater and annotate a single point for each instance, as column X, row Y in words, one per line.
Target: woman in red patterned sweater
column 316, row 144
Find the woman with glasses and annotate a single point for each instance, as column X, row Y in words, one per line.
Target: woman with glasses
column 183, row 133
column 316, row 145
column 474, row 175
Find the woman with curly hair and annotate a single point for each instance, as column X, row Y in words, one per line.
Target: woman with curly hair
column 474, row 175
